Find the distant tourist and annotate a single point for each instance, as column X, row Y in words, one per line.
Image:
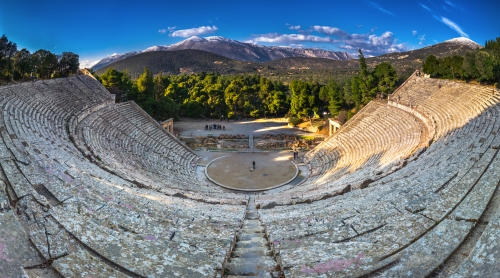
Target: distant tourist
column 253, row 164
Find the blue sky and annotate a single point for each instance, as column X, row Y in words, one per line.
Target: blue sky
column 96, row 29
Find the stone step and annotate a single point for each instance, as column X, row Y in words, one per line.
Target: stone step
column 251, row 236
column 253, row 230
column 250, row 224
column 265, row 275
column 255, row 242
column 251, row 252
column 251, row 215
column 251, row 266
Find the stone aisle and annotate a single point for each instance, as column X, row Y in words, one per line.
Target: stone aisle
column 250, row 141
column 252, row 256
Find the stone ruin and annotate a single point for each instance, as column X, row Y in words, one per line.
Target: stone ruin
column 91, row 188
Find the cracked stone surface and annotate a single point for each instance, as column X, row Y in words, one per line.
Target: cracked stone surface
column 83, row 264
column 484, row 258
column 119, row 195
column 4, row 199
column 475, row 203
column 16, row 251
column 430, row 251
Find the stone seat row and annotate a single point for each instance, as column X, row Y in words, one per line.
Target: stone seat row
column 362, row 231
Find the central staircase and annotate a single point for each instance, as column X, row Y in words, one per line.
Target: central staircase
column 252, row 256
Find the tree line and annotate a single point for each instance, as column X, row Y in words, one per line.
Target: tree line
column 213, row 95
column 22, row 65
column 481, row 65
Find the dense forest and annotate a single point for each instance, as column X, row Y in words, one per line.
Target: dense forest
column 42, row 64
column 213, row 95
column 482, row 65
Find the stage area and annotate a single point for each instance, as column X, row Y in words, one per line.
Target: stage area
column 235, row 171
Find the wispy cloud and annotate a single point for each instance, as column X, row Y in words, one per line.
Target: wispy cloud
column 169, row 29
column 450, row 3
column 194, row 31
column 294, row 27
column 425, row 7
column 327, row 30
column 378, row 7
column 289, row 38
column 359, row 25
column 414, row 32
column 452, row 25
column 421, row 40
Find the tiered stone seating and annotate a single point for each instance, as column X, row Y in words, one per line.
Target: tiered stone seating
column 408, row 223
column 95, row 188
column 63, row 196
column 371, row 145
column 126, row 142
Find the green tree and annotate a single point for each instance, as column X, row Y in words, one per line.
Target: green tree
column 68, row 64
column 431, row 65
column 386, row 78
column 145, row 85
column 45, row 63
column 469, row 66
column 333, row 94
column 484, row 66
column 118, row 83
column 457, row 67
column 22, row 64
column 7, row 51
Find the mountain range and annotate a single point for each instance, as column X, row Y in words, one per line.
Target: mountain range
column 285, row 69
column 233, row 49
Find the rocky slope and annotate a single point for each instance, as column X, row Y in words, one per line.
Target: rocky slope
column 233, row 49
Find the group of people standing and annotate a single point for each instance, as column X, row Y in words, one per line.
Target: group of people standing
column 215, row 127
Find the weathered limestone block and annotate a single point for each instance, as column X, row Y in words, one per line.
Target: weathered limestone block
column 426, row 254
column 82, row 264
column 4, row 200
column 18, row 182
column 484, row 258
column 473, row 206
column 16, row 251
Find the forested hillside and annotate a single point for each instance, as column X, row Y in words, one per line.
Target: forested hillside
column 227, row 96
column 481, row 65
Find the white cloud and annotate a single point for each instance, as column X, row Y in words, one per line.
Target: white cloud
column 194, row 31
column 289, row 38
column 414, row 32
column 373, row 44
column 421, row 40
column 450, row 3
column 452, row 25
column 425, row 7
column 369, row 43
column 294, row 27
column 331, row 31
column 169, row 29
column 87, row 64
